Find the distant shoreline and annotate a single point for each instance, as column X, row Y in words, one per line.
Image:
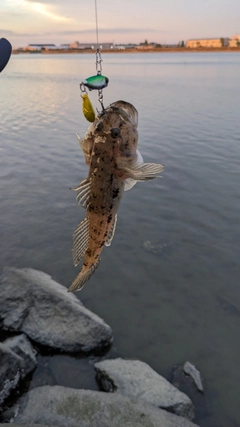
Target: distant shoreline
column 154, row 50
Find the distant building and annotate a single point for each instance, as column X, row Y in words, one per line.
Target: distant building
column 77, row 45
column 171, row 46
column 125, row 46
column 146, row 46
column 219, row 42
column 65, row 46
column 234, row 41
column 39, row 47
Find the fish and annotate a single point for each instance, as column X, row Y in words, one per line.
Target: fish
column 96, row 82
column 110, row 147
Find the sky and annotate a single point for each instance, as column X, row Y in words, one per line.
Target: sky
column 127, row 21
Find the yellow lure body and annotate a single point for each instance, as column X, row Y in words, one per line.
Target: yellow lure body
column 87, row 107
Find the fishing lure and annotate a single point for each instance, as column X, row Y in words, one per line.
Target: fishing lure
column 96, row 82
column 87, row 107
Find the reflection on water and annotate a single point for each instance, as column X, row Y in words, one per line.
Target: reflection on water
column 165, row 307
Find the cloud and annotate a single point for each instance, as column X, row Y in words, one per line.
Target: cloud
column 104, row 31
column 75, row 32
column 43, row 1
column 7, row 33
column 14, row 34
column 43, row 9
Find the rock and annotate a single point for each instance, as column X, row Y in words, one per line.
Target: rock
column 17, row 359
column 33, row 303
column 25, row 425
column 21, row 346
column 9, row 371
column 62, row 406
column 190, row 369
column 136, row 379
column 185, row 383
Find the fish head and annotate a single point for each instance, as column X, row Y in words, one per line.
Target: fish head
column 128, row 109
column 118, row 124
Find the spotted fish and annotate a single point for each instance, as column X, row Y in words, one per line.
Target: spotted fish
column 115, row 164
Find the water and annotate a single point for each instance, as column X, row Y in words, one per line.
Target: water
column 182, row 300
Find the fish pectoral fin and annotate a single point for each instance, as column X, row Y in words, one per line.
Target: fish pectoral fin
column 83, row 192
column 129, row 183
column 83, row 277
column 79, row 139
column 80, row 241
column 111, row 232
column 86, row 146
column 139, row 157
column 142, row 171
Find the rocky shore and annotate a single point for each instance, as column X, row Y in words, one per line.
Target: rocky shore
column 39, row 311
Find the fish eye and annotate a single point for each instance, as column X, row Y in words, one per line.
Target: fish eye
column 115, row 132
column 99, row 126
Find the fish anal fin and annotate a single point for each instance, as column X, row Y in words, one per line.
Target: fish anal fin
column 83, row 277
column 111, row 232
column 80, row 241
column 83, row 192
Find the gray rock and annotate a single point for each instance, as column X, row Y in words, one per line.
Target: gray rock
column 17, row 359
column 134, row 378
column 190, row 369
column 62, row 406
column 185, row 383
column 25, row 425
column 10, row 371
column 21, row 346
column 33, row 303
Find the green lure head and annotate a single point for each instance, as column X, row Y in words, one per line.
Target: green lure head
column 96, row 82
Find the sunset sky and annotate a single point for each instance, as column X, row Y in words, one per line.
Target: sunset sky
column 125, row 21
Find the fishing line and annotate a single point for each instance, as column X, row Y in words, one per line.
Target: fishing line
column 96, row 17
column 97, row 82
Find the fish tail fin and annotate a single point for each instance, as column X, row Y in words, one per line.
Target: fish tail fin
column 80, row 241
column 83, row 276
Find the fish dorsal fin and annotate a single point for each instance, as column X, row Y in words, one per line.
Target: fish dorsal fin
column 80, row 241
column 83, row 277
column 83, row 193
column 129, row 182
column 142, row 171
column 111, row 232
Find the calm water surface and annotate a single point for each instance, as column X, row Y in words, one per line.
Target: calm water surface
column 182, row 300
